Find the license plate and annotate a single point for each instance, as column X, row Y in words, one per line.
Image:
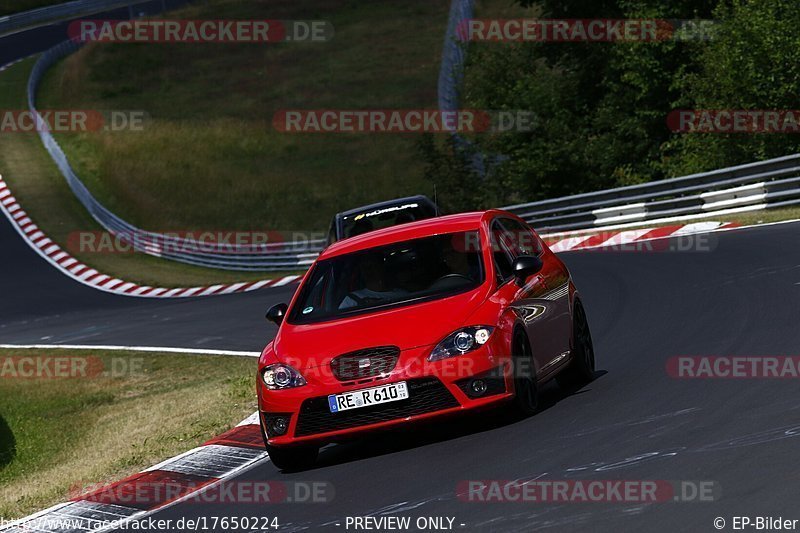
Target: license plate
column 364, row 398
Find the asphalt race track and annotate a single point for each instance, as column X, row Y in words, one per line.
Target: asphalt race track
column 41, row 305
column 634, row 422
column 25, row 43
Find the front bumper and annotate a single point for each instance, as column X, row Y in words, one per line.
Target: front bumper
column 436, row 389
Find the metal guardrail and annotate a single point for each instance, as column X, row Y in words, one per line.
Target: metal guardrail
column 765, row 184
column 451, row 75
column 255, row 257
column 451, row 71
column 47, row 15
column 771, row 183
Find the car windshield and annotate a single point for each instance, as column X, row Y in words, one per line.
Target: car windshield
column 395, row 274
column 384, row 217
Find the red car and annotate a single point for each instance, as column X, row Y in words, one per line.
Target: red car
column 407, row 323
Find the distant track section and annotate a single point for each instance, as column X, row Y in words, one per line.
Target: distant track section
column 68, row 265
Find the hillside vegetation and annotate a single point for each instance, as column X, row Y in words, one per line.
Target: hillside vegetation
column 209, row 157
column 602, row 107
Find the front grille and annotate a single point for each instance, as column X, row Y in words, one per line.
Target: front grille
column 365, row 363
column 425, row 395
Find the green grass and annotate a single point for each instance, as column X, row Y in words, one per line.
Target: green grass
column 209, row 157
column 766, row 216
column 58, row 434
column 45, row 196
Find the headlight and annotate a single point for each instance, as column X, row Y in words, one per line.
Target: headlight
column 281, row 376
column 462, row 341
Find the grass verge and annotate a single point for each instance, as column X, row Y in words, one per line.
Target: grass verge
column 58, row 434
column 766, row 216
column 44, row 194
column 209, row 157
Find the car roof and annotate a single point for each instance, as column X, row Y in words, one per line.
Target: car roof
column 410, row 230
column 385, row 203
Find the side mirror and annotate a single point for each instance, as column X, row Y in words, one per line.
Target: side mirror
column 276, row 313
column 525, row 266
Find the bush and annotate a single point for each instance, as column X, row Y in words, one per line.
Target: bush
column 602, row 108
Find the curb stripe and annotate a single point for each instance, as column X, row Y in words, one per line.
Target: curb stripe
column 147, row 349
column 569, row 243
column 178, row 479
column 248, row 436
column 141, row 491
column 659, row 232
column 69, row 266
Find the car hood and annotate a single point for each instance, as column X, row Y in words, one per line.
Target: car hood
column 411, row 326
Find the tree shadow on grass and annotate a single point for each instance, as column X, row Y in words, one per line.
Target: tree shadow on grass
column 8, row 444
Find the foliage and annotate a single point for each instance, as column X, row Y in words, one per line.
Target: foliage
column 601, row 108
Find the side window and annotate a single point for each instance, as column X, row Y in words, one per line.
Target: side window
column 332, row 233
column 503, row 259
column 525, row 241
column 316, row 294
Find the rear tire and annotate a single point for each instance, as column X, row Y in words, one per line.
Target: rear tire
column 526, row 399
column 581, row 368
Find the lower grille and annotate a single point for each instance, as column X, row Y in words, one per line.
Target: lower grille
column 425, row 395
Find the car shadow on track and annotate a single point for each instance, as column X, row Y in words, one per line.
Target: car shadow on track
column 8, row 444
column 431, row 432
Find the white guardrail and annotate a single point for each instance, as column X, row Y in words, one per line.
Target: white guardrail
column 766, row 184
column 754, row 186
column 246, row 257
column 771, row 183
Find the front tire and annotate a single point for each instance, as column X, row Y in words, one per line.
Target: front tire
column 526, row 399
column 290, row 458
column 581, row 368
column 293, row 458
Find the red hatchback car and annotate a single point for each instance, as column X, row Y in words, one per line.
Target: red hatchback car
column 411, row 322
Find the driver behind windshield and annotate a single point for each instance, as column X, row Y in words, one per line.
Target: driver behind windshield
column 371, row 275
column 395, row 274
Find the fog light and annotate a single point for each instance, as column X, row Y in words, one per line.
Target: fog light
column 279, row 425
column 478, row 387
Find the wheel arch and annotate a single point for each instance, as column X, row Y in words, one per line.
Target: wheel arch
column 517, row 331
